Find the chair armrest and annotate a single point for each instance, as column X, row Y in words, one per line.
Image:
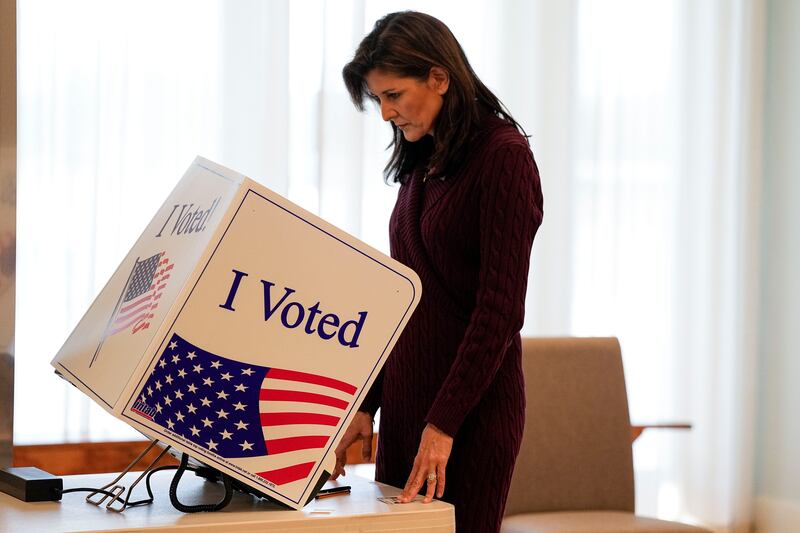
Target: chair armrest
column 637, row 430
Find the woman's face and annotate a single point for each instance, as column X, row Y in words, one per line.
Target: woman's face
column 411, row 104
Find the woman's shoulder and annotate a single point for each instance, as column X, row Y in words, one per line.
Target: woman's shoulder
column 503, row 154
column 497, row 134
column 497, row 139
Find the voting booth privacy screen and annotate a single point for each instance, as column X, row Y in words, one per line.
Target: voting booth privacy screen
column 242, row 330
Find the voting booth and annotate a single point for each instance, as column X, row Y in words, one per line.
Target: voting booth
column 243, row 331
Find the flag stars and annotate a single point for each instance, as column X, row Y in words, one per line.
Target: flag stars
column 195, row 394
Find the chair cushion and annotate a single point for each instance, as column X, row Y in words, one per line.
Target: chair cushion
column 591, row 522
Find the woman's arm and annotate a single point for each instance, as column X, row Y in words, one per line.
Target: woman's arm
column 511, row 210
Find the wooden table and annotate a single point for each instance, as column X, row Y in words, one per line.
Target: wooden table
column 359, row 511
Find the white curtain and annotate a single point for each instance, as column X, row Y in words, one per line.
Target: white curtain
column 644, row 118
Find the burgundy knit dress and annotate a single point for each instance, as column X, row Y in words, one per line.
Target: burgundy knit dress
column 457, row 363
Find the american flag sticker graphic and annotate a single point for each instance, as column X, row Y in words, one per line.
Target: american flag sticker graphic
column 139, row 299
column 238, row 410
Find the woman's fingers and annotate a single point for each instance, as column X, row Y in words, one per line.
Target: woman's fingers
column 434, row 452
column 431, row 480
column 440, row 475
column 366, row 449
column 422, row 477
column 413, row 484
column 341, row 455
column 360, row 428
column 338, row 470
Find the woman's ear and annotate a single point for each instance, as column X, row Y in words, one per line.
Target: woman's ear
column 439, row 80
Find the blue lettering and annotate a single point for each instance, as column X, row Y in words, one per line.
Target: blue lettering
column 285, row 314
column 167, row 221
column 293, row 314
column 357, row 325
column 313, row 311
column 328, row 320
column 237, row 278
column 269, row 310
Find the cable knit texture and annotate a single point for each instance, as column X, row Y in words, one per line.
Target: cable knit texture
column 457, row 364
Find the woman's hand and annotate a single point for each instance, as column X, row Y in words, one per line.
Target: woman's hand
column 360, row 428
column 429, row 465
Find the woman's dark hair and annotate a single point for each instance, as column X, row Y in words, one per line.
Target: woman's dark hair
column 409, row 44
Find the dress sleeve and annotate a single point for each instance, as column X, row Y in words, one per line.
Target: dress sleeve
column 511, row 210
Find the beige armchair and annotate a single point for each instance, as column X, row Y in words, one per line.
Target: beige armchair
column 574, row 473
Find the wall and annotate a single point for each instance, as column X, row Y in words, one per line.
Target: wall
column 778, row 459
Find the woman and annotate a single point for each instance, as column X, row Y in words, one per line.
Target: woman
column 451, row 393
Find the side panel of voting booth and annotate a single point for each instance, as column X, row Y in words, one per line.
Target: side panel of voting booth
column 106, row 347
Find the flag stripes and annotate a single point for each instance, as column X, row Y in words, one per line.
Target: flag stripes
column 277, row 395
column 292, row 444
column 293, row 375
column 282, row 476
column 283, row 419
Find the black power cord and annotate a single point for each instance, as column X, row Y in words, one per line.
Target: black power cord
column 137, row 503
column 173, row 492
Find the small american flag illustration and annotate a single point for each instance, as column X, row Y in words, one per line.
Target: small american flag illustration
column 139, row 298
column 239, row 410
column 141, row 295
